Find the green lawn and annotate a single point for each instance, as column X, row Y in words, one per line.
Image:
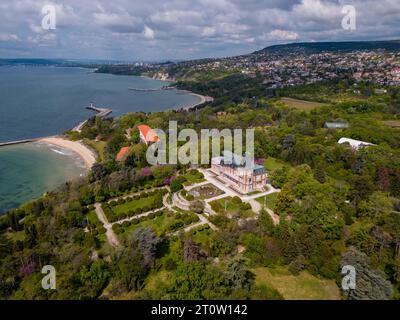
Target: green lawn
column 302, row 287
column 272, row 164
column 159, row 224
column 93, row 220
column 269, row 200
column 201, row 235
column 134, row 204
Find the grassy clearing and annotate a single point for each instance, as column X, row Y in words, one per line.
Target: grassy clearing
column 302, row 287
column 98, row 146
column 93, row 220
column 202, row 236
column 161, row 224
column 134, row 204
column 268, row 200
column 301, row 104
column 272, row 164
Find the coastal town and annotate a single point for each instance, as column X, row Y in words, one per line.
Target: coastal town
column 297, row 65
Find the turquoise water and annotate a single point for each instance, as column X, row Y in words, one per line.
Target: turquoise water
column 27, row 171
column 43, row 101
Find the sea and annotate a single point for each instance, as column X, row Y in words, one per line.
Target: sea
column 40, row 101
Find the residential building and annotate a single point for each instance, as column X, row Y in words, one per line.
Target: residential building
column 232, row 170
column 147, row 135
column 122, row 154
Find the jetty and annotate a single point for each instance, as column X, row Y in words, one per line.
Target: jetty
column 101, row 112
column 10, row 143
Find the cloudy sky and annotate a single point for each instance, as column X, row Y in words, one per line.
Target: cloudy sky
column 183, row 29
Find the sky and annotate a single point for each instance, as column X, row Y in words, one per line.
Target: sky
column 157, row 30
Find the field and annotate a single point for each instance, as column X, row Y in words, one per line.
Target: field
column 301, row 287
column 301, row 104
column 272, row 164
column 134, row 204
column 392, row 123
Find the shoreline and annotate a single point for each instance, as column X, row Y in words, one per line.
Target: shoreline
column 203, row 99
column 77, row 147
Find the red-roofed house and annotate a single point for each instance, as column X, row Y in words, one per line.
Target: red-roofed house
column 122, row 154
column 147, row 135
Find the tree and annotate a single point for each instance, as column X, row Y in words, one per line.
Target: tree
column 237, row 274
column 147, row 244
column 319, row 174
column 383, row 179
column 5, row 246
column 99, row 171
column 370, row 284
column 176, row 185
column 289, row 141
column 191, row 251
column 130, row 268
column 377, row 205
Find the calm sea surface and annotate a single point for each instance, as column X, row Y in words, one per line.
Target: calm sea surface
column 43, row 101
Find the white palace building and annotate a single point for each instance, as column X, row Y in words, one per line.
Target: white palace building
column 232, row 170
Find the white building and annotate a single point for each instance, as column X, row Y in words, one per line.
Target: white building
column 232, row 169
column 355, row 144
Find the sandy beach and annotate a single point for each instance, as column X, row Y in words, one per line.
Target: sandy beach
column 75, row 146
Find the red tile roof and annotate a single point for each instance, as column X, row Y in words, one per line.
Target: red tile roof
column 122, row 153
column 148, row 134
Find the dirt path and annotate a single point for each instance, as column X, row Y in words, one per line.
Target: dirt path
column 111, row 236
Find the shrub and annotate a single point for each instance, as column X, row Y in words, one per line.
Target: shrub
column 117, row 228
column 236, row 200
column 170, row 264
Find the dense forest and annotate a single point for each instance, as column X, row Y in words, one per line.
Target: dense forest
column 337, row 206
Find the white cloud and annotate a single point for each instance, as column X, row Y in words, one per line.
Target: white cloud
column 8, row 37
column 162, row 29
column 279, row 35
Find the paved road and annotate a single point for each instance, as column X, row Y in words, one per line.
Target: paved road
column 192, row 186
column 111, row 236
